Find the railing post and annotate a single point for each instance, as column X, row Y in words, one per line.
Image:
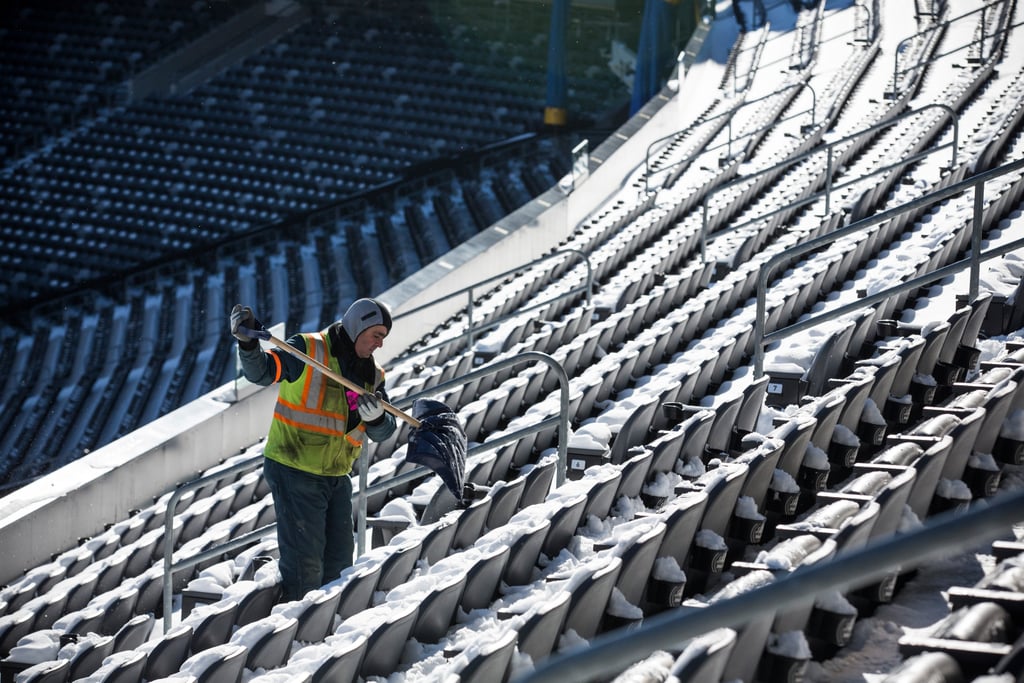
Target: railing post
column 981, row 45
column 895, row 70
column 976, row 223
column 469, row 318
column 704, row 233
column 728, row 144
column 364, row 476
column 759, row 319
column 828, row 177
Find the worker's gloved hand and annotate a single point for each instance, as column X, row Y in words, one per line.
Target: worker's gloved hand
column 242, row 316
column 370, row 407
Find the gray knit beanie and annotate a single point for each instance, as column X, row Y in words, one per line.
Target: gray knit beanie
column 363, row 314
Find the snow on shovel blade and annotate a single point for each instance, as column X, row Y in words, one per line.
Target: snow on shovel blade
column 439, row 443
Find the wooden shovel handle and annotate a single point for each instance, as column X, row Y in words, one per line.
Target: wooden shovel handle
column 345, row 382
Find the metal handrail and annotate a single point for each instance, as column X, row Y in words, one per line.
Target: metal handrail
column 897, row 72
column 468, row 335
column 169, row 565
column 614, row 651
column 365, row 489
column 829, row 187
column 728, row 144
column 868, row 25
column 973, row 260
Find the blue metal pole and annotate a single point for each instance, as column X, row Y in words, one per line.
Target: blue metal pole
column 555, row 113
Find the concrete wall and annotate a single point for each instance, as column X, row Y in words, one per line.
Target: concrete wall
column 84, row 497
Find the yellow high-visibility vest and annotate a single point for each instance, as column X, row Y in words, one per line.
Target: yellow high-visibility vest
column 310, row 426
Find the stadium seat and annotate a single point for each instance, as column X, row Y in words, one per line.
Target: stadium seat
column 542, row 625
column 539, row 479
column 123, row 666
column 590, row 596
column 752, row 636
column 119, row 610
column 80, row 592
column 86, row 620
column 316, row 619
column 357, row 585
column 142, row 552
column 272, row 643
column 340, row 659
column 723, row 517
column 168, row 653
column 704, row 658
column 439, row 606
column 398, row 562
column 856, row 388
column 827, row 410
column 471, row 523
column 885, row 368
column 87, row 654
column 637, row 546
column 506, row 496
column 48, row 608
column 134, row 632
column 796, row 433
column 212, row 625
column 635, row 470
column 492, row 660
column 257, row 603
column 926, row 666
column 224, row 663
column 828, row 622
column 927, row 464
column 977, row 637
column 56, row 671
column 603, row 483
column 386, row 642
column 438, row 540
column 761, row 460
column 525, row 549
column 636, row 429
column 689, row 438
column 483, row 577
column 13, row 627
column 565, row 515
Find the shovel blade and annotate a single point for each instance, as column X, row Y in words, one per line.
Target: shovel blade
column 439, row 443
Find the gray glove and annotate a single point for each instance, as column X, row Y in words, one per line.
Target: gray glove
column 370, row 407
column 242, row 316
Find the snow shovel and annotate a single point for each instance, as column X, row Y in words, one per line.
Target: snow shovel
column 437, row 440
